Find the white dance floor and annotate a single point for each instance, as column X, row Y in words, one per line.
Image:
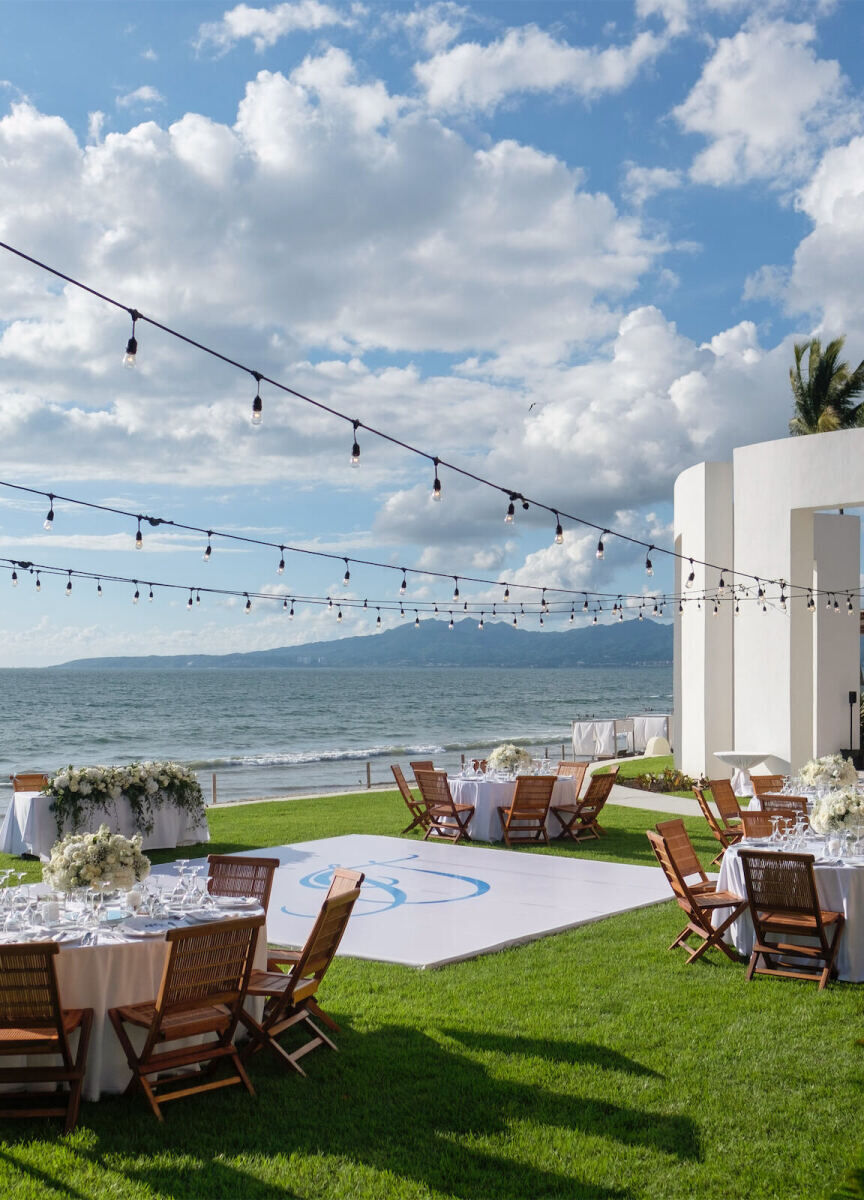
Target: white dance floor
column 425, row 905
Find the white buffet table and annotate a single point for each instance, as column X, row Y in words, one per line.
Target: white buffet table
column 487, row 794
column 120, row 971
column 29, row 826
column 841, row 889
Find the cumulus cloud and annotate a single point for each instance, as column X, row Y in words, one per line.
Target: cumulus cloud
column 472, row 76
column 145, row 97
column 265, row 26
column 433, row 26
column 641, row 183
column 767, row 106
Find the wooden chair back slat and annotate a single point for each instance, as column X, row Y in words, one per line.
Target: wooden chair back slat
column 241, row 875
column 757, row 824
column 416, row 807
column 792, row 805
column 421, row 765
column 726, row 801
column 330, row 924
column 680, row 849
column 766, row 783
column 28, row 987
column 445, row 819
column 579, row 819
column 780, row 882
column 29, row 781
column 575, row 771
column 525, row 819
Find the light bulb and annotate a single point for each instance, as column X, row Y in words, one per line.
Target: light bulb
column 139, row 539
column 197, row 597
column 507, row 592
column 49, row 520
column 559, row 531
column 189, row 602
column 511, row 511
column 339, row 616
column 209, row 549
column 346, row 578
column 257, row 409
column 150, row 594
column 284, row 605
column 69, row 586
column 416, row 622
column 378, row 620
column 649, row 566
column 456, row 590
column 450, row 626
column 480, row 626
column 691, row 578
column 355, row 449
column 515, row 623
column 248, row 607
column 14, row 578
column 131, row 351
column 98, row 591
column 594, row 622
column 136, row 597
column 404, row 586
column 436, row 486
column 601, row 549
column 572, row 616
column 38, row 583
column 291, row 612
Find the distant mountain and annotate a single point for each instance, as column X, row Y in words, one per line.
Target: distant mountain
column 627, row 643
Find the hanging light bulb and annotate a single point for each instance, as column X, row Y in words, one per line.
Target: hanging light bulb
column 139, row 539
column 572, row 615
column 601, row 550
column 257, row 403
column 401, row 610
column 450, row 626
column 515, row 622
column 737, row 609
column 129, row 358
column 456, row 588
column 209, row 549
column 14, row 578
column 760, row 591
column 594, row 622
column 346, row 578
column 69, row 584
column 559, row 530
column 339, row 616
column 403, row 587
column 641, row 614
column 137, row 595
column 654, row 611
column 465, row 606
column 716, row 609
column 280, row 570
column 721, row 586
column 851, row 609
column 782, row 600
column 150, row 594
column 38, row 583
column 197, row 597
column 329, row 604
column 541, row 619
column 680, row 606
column 284, row 605
column 248, row 608
column 649, row 566
column 511, row 510
column 189, row 601
column 480, row 626
column 436, row 486
column 691, row 578
column 811, row 603
column 436, row 608
column 828, row 602
column 378, row 618
column 355, row 449
column 49, row 520
column 507, row 591
column 291, row 612
column 836, row 605
column 621, row 613
column 585, row 604
column 416, row 619
column 544, row 607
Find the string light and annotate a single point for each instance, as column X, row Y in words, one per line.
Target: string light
column 49, row 519
column 14, row 578
column 197, row 596
column 280, row 570
column 450, row 626
column 150, row 595
column 209, row 549
column 189, row 601
column 248, row 607
column 601, row 550
column 811, row 603
column 691, row 578
column 139, row 538
column 506, row 591
column 585, row 605
column 403, row 587
column 456, row 588
column 69, row 585
column 511, row 510
column 416, row 619
column 285, row 605
column 339, row 616
column 346, row 578
column 137, row 595
column 480, row 626
column 378, row 619
column 38, row 583
column 355, row 449
column 559, row 530
column 721, row 586
column 129, row 358
column 649, row 566
column 291, row 612
column 436, row 486
column 257, row 403
column 851, row 609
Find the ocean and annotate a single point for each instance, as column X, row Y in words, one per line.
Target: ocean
column 289, row 732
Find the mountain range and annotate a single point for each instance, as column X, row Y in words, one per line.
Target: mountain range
column 433, row 644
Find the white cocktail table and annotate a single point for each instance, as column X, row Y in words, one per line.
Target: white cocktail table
column 742, row 761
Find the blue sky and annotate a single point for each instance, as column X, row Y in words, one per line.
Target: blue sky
column 567, row 245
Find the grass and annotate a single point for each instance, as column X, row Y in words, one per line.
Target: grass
column 589, row 1064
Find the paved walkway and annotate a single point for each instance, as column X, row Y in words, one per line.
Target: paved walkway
column 681, row 806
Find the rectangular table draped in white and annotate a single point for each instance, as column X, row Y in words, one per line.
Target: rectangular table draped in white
column 29, row 826
column 112, row 974
column 487, row 795
column 840, row 887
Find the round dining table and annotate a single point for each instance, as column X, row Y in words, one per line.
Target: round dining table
column 840, row 886
column 488, row 794
column 119, row 967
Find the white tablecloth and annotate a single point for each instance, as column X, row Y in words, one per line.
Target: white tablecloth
column 105, row 976
column 841, row 889
column 29, row 826
column 487, row 794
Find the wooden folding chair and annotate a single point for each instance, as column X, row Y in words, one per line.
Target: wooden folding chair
column 781, row 890
column 447, row 819
column 681, row 851
column 725, row 837
column 579, row 820
column 727, row 804
column 789, row 806
column 425, row 765
column 417, row 808
column 756, row 823
column 291, row 997
column 766, row 783
column 29, row 781
column 698, row 907
column 241, row 876
column 34, row 1022
column 525, row 818
column 575, row 771
column 201, row 996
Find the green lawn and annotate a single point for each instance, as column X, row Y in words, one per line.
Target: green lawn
column 589, row 1064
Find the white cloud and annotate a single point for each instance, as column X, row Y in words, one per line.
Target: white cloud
column 767, row 106
column 641, row 183
column 145, row 97
column 434, row 26
column 471, row 76
column 265, row 26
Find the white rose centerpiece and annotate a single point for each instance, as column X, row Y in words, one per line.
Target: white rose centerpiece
column 839, row 809
column 90, row 859
column 509, row 758
column 77, row 793
column 829, row 771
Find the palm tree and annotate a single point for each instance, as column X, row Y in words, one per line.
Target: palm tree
column 824, row 400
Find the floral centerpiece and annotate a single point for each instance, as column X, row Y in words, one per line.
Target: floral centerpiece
column 842, row 808
column 88, row 859
column 829, row 771
column 78, row 792
column 509, row 758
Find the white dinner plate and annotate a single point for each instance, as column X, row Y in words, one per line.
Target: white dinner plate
column 236, row 902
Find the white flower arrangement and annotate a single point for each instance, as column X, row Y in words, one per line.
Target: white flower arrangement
column 509, row 758
column 842, row 808
column 829, row 771
column 89, row 859
column 77, row 792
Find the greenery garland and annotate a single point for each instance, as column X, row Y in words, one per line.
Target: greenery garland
column 77, row 793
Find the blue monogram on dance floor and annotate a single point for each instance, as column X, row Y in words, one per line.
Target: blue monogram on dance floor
column 383, row 891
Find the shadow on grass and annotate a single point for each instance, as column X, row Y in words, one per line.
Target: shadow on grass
column 31, row 1174
column 577, row 1053
column 400, row 1104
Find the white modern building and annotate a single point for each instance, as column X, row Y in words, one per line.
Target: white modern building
column 763, row 679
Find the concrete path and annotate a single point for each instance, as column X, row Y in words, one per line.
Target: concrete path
column 681, row 806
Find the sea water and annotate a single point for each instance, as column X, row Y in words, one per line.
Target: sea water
column 287, row 732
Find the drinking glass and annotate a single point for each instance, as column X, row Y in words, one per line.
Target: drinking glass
column 776, row 823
